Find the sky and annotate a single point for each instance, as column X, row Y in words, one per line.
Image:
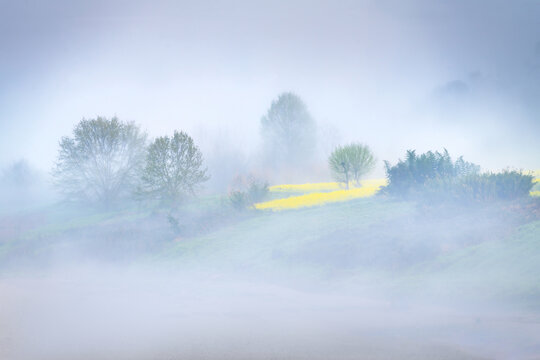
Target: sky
column 396, row 75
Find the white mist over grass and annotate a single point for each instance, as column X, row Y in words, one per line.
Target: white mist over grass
column 103, row 312
column 369, row 278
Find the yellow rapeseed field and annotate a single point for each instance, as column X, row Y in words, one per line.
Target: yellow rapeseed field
column 311, row 198
column 306, row 188
column 321, row 187
column 316, row 194
column 536, row 180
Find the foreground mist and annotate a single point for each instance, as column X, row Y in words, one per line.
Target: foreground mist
column 118, row 313
column 279, row 180
column 368, row 279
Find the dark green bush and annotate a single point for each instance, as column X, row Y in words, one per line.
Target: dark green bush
column 248, row 193
column 239, row 199
column 257, row 190
column 506, row 185
column 433, row 176
column 416, row 171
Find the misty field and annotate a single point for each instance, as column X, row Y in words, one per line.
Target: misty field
column 369, row 275
column 269, row 180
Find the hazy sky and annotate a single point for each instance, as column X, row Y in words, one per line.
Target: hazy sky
column 394, row 74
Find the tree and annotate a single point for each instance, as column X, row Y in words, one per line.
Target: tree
column 101, row 162
column 174, row 168
column 19, row 174
column 21, row 185
column 288, row 130
column 351, row 162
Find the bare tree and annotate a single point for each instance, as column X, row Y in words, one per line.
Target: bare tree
column 101, row 162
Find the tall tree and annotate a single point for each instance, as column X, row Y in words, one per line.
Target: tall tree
column 174, row 168
column 100, row 163
column 288, row 131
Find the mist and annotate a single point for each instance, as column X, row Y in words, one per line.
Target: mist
column 167, row 188
column 462, row 74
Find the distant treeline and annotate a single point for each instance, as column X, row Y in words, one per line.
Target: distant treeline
column 106, row 160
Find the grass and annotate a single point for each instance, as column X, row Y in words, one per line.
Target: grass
column 506, row 269
column 319, row 229
column 266, row 238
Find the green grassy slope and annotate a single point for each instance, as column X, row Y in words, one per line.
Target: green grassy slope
column 507, row 268
column 393, row 243
column 268, row 238
column 396, row 244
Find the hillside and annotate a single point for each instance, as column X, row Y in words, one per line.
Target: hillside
column 395, row 245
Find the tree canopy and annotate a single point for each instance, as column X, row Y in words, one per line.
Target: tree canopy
column 174, row 168
column 288, row 131
column 101, row 161
column 351, row 162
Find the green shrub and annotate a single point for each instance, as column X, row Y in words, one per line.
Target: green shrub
column 506, row 185
column 257, row 191
column 411, row 175
column 248, row 192
column 478, row 188
column 238, row 199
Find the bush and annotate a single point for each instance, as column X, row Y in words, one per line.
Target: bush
column 507, row 185
column 433, row 176
column 248, row 192
column 413, row 174
column 238, row 199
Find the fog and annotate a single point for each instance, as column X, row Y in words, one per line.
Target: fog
column 464, row 74
column 202, row 274
column 133, row 314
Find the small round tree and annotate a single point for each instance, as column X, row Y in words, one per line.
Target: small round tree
column 174, row 168
column 351, row 162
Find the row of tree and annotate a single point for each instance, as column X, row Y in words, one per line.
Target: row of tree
column 107, row 159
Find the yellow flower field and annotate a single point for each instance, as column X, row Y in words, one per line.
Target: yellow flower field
column 311, row 198
column 316, row 194
column 536, row 193
column 321, row 187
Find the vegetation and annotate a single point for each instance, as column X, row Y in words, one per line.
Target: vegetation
column 337, row 230
column 101, row 162
column 417, row 171
column 486, row 187
column 17, row 174
column 288, row 132
column 248, row 192
column 174, row 168
column 351, row 162
column 433, row 176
